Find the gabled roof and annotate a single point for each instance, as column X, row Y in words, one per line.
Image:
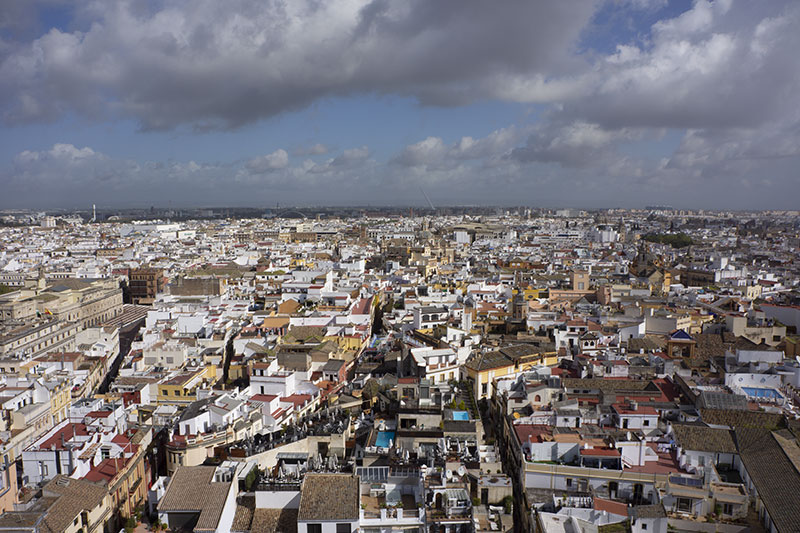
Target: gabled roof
column 771, row 460
column 488, row 360
column 742, row 419
column 329, row 497
column 305, row 334
column 680, row 335
column 75, row 496
column 192, row 489
column 704, row 439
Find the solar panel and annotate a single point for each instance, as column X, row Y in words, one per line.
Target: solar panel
column 686, row 481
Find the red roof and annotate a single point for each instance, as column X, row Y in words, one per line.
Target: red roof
column 667, row 388
column 297, row 399
column 263, row 397
column 532, row 432
column 600, row 452
column 612, row 507
column 106, row 470
column 65, row 433
column 98, row 414
column 120, row 439
column 361, row 307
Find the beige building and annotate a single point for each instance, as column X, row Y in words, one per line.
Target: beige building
column 89, row 303
column 35, row 338
column 67, row 505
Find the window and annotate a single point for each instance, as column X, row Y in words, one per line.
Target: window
column 645, row 422
column 727, row 509
column 644, row 526
column 316, row 528
column 569, row 482
column 684, row 505
column 484, row 388
column 342, row 528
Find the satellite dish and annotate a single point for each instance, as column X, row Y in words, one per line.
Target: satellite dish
column 462, row 470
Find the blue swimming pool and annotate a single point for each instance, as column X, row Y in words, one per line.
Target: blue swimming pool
column 383, row 439
column 460, row 415
column 758, row 392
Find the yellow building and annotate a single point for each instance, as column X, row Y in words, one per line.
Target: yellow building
column 60, row 398
column 483, row 368
column 530, row 293
column 182, row 388
column 125, row 478
column 346, row 342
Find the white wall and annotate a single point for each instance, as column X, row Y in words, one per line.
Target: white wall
column 277, row 499
column 327, row 527
column 228, row 510
column 762, row 381
column 552, row 451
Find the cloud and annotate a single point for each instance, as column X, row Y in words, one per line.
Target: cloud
column 221, row 65
column 575, row 144
column 717, row 65
column 425, row 152
column 433, row 152
column 317, row 149
column 351, row 156
column 705, row 101
column 270, row 162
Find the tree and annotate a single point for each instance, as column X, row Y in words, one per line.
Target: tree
column 676, row 240
column 371, row 389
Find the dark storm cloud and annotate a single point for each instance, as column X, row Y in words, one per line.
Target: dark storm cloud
column 217, row 64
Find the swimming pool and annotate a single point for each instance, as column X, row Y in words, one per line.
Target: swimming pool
column 460, row 415
column 383, row 439
column 758, row 392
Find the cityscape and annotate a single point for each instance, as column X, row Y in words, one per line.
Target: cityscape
column 514, row 369
column 364, row 266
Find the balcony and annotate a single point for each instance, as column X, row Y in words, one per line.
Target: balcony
column 383, row 504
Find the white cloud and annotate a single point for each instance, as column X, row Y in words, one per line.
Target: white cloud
column 433, row 152
column 267, row 163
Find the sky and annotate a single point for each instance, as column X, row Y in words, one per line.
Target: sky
column 586, row 103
